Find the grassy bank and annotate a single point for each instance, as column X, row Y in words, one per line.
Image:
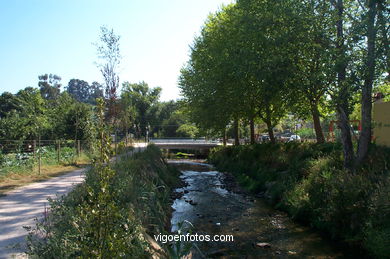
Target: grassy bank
column 112, row 214
column 22, row 168
column 309, row 182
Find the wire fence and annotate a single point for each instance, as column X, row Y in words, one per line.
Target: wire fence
column 19, row 155
column 31, row 155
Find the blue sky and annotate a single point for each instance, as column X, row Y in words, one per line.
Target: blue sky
column 56, row 36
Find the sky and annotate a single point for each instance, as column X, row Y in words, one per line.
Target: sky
column 57, row 36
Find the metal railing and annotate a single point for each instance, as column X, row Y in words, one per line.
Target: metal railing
column 182, row 141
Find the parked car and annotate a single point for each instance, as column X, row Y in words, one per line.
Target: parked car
column 283, row 137
column 294, row 138
column 264, row 138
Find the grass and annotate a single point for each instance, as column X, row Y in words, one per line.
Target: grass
column 309, row 182
column 112, row 214
column 15, row 172
column 22, row 174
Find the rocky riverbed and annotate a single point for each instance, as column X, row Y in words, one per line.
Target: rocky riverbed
column 215, row 205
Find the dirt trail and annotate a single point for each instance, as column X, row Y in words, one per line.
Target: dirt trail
column 21, row 206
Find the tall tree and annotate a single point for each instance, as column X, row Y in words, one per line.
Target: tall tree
column 49, row 86
column 8, row 103
column 96, row 91
column 143, row 98
column 369, row 74
column 109, row 54
column 313, row 61
column 79, row 89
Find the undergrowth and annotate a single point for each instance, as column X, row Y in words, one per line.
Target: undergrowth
column 309, row 182
column 111, row 214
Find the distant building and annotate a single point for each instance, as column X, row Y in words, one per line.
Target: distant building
column 382, row 122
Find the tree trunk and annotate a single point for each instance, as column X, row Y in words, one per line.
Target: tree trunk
column 386, row 44
column 224, row 137
column 236, row 136
column 365, row 135
column 342, row 102
column 252, row 129
column 270, row 131
column 346, row 139
column 317, row 124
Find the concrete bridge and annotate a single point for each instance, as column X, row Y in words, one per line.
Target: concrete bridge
column 184, row 143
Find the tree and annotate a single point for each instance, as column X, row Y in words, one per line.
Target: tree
column 83, row 92
column 79, row 89
column 143, row 98
column 356, row 50
column 109, row 54
column 369, row 74
column 96, row 91
column 240, row 67
column 313, row 61
column 7, row 104
column 208, row 81
column 49, row 86
column 126, row 115
column 32, row 112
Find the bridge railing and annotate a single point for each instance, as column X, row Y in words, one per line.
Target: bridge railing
column 182, row 141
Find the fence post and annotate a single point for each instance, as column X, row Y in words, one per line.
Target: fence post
column 58, row 151
column 115, row 144
column 34, row 147
column 39, row 154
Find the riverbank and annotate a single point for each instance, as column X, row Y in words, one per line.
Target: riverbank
column 308, row 182
column 114, row 219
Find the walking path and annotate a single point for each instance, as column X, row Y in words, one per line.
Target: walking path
column 20, row 207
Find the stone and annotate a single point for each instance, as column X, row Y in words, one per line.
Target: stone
column 263, row 245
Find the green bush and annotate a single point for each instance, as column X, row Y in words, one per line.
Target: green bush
column 309, row 182
column 110, row 214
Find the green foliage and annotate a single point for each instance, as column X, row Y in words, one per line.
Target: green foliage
column 306, row 133
column 109, row 215
column 81, row 91
column 143, row 99
column 309, row 182
column 49, row 86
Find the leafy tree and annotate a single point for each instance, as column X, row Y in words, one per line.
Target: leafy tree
column 95, row 92
column 143, row 98
column 7, row 104
column 356, row 59
column 49, row 86
column 83, row 92
column 239, row 66
column 207, row 82
column 32, row 109
column 126, row 115
column 159, row 113
column 71, row 119
column 79, row 89
column 313, row 61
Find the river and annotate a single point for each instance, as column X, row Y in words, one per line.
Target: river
column 259, row 231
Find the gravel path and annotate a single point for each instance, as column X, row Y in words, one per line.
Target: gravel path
column 20, row 207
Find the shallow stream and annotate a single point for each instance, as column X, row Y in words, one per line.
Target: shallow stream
column 259, row 231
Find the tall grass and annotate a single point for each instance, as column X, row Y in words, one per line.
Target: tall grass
column 110, row 219
column 309, row 182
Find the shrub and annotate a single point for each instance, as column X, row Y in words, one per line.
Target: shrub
column 309, row 182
